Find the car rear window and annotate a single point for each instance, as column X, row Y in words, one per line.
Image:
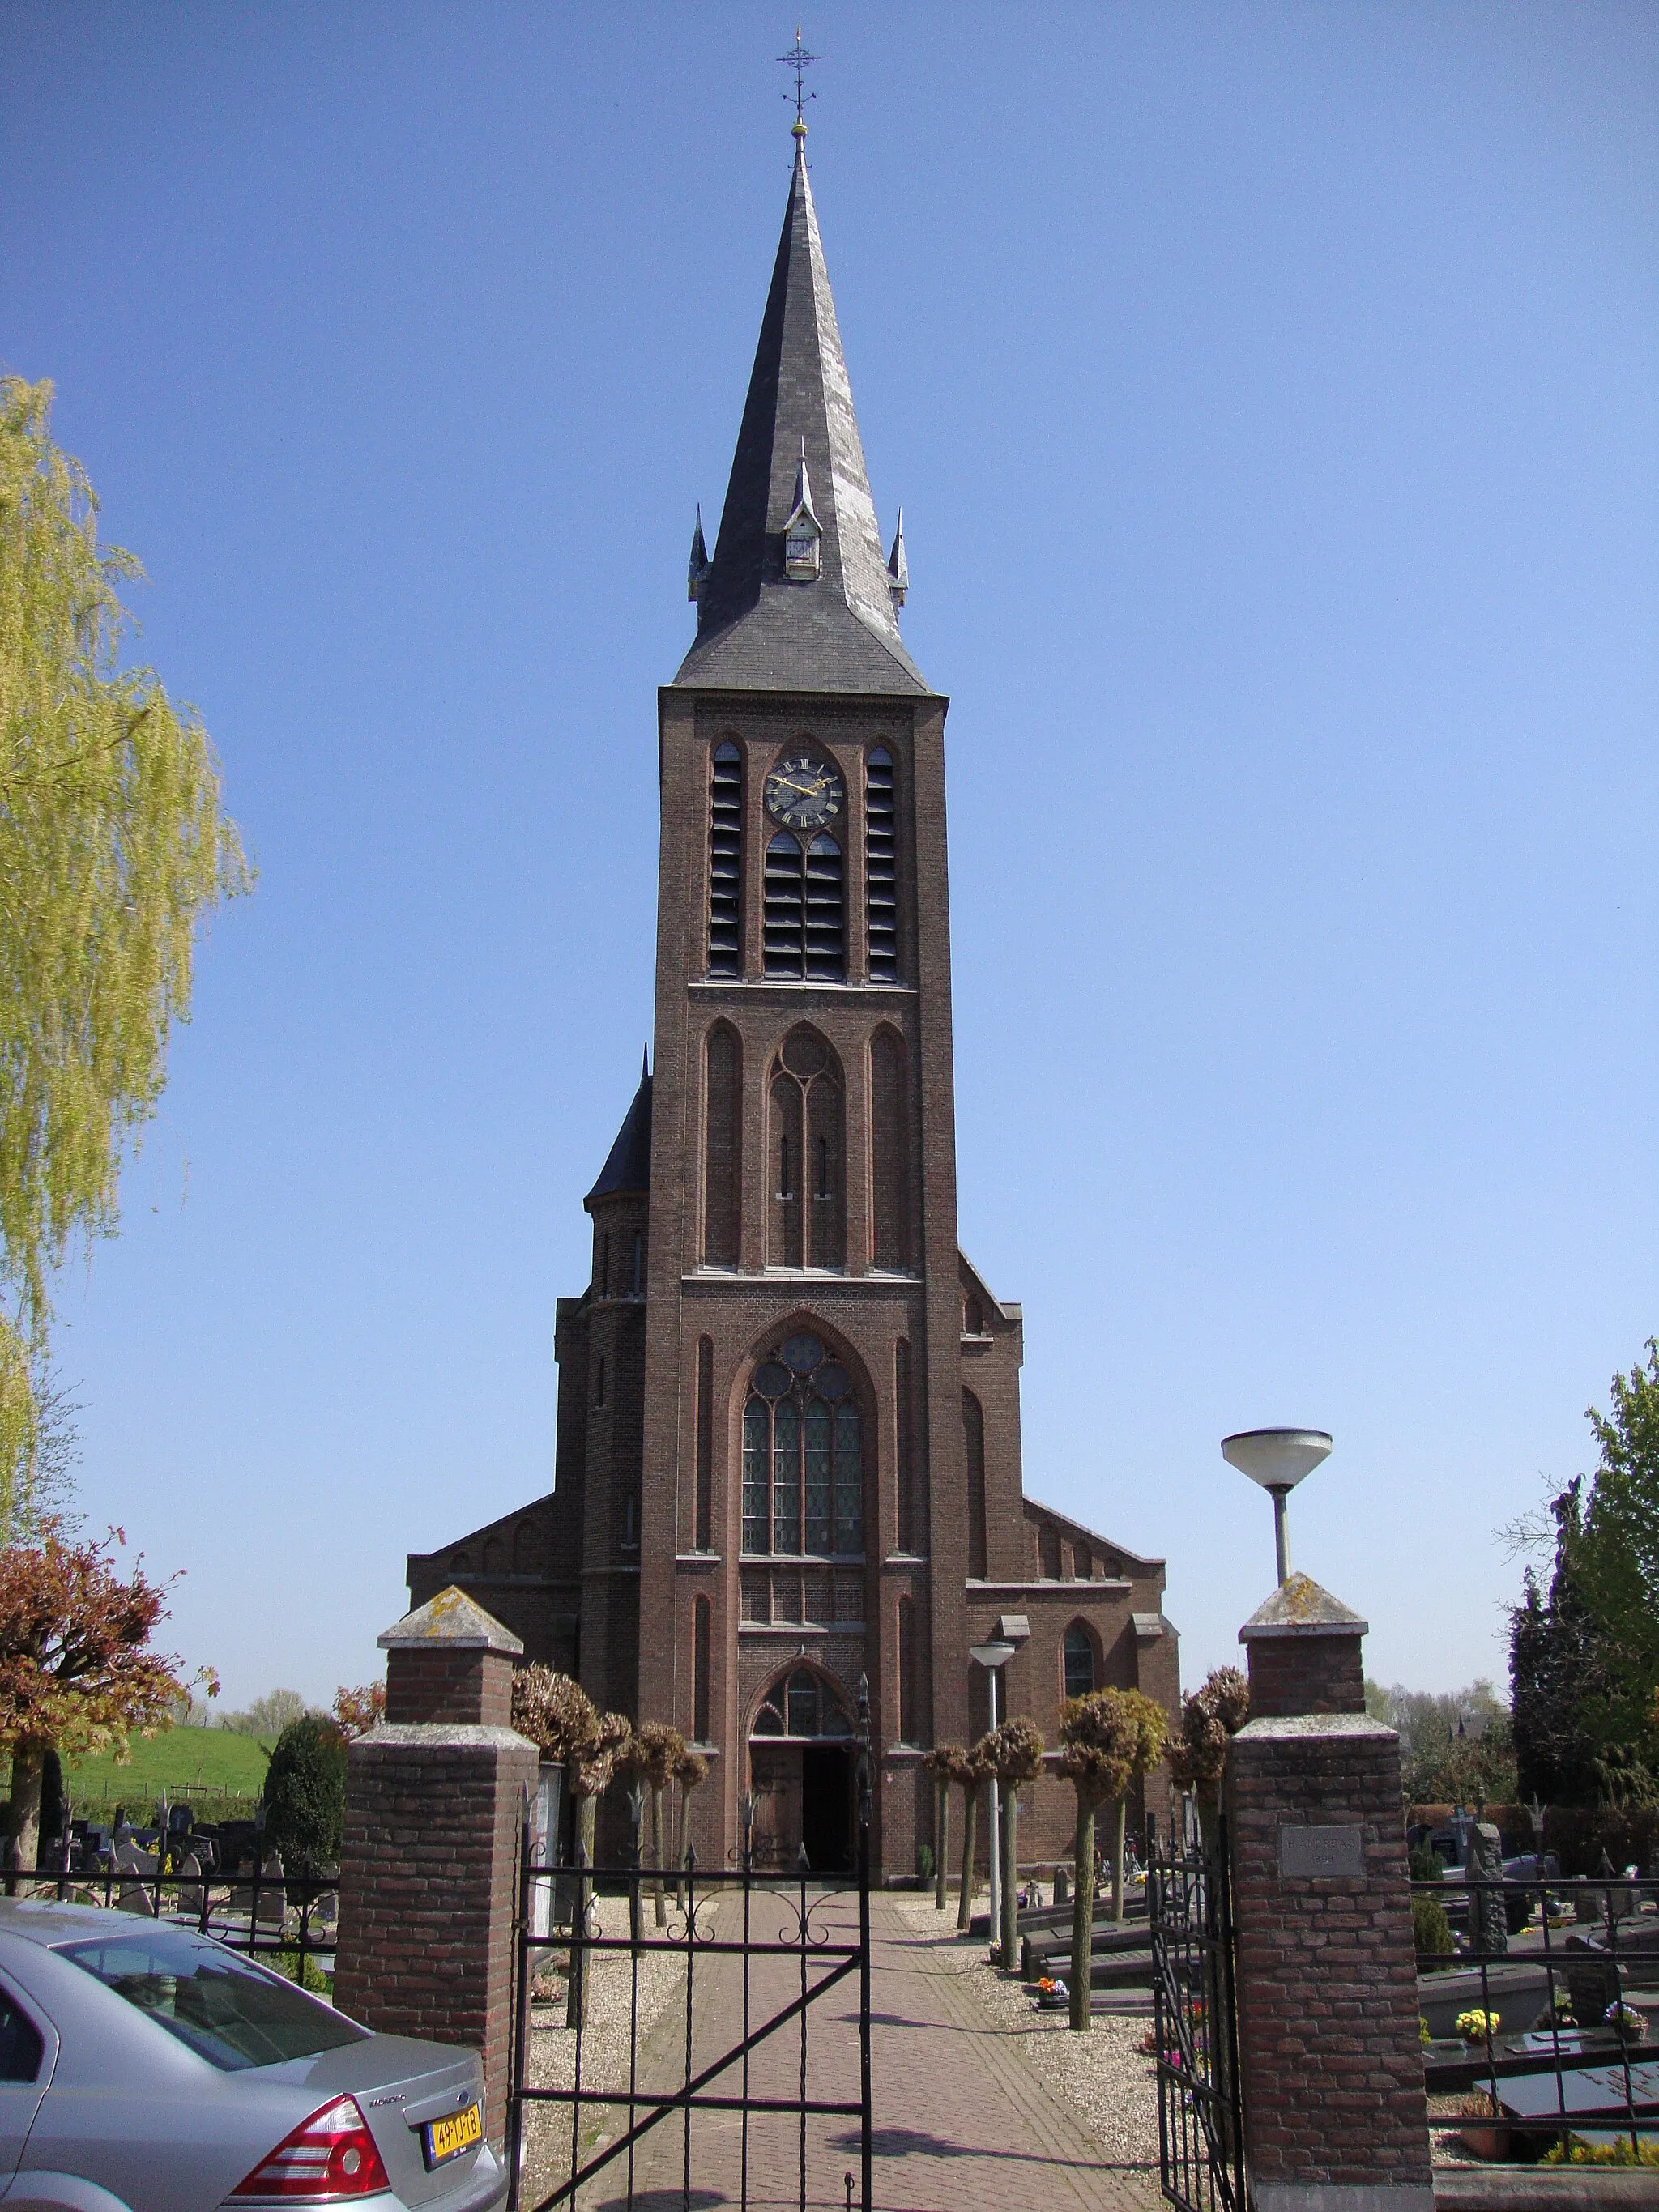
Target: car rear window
column 228, row 2011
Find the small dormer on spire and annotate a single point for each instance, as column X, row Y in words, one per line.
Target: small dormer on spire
column 696, row 569
column 803, row 538
column 898, row 568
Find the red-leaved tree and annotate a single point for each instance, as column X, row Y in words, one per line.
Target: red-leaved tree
column 355, row 1711
column 76, row 1670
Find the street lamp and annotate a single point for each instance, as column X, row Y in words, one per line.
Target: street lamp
column 993, row 1657
column 1277, row 1459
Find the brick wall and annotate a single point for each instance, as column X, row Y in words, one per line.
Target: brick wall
column 1332, row 2071
column 425, row 1889
column 444, row 1684
column 1313, row 1674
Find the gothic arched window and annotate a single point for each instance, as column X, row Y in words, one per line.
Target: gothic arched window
column 1078, row 1654
column 722, row 1147
column 807, row 1209
column 726, row 861
column 890, row 1150
column 802, row 1703
column 803, row 1456
column 973, row 1422
column 881, row 866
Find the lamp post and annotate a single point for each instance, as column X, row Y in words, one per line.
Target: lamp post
column 993, row 1657
column 1277, row 1459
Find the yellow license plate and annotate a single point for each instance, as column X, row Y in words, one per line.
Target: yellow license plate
column 448, row 2138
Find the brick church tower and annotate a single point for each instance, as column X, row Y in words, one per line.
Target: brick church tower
column 789, row 1446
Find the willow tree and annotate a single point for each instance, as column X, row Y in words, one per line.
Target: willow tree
column 559, row 1717
column 113, row 847
column 1013, row 1753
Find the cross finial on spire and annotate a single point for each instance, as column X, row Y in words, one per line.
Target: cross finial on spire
column 800, row 61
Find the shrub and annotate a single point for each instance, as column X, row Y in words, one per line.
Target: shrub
column 1616, row 2153
column 925, row 1861
column 305, row 1795
column 1431, row 1930
column 1425, row 1865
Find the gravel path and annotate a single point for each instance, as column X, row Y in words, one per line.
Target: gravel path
column 1103, row 2077
column 604, row 2043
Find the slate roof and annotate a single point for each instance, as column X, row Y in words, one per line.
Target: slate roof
column 755, row 631
column 628, row 1164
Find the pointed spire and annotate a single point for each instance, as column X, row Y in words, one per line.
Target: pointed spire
column 814, row 608
column 696, row 569
column 645, row 1064
column 898, row 568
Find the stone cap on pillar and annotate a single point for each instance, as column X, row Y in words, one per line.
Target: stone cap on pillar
column 449, row 1662
column 452, row 1618
column 1297, row 1608
column 1303, row 1647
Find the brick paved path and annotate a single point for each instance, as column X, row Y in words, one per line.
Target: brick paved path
column 962, row 2122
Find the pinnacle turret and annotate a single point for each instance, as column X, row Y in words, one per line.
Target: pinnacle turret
column 696, row 569
column 898, row 568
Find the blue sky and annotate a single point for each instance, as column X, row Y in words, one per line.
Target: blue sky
column 1271, row 394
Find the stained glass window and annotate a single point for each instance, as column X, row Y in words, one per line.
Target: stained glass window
column 803, row 1456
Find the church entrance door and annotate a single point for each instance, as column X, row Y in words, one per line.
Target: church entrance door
column 826, row 1806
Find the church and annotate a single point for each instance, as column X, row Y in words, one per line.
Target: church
column 787, row 1451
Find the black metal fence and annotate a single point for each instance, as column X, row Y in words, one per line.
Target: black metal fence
column 1540, row 2024
column 780, row 1935
column 288, row 1921
column 1200, row 2136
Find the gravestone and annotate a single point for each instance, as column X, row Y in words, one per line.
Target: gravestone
column 268, row 1912
column 190, row 1891
column 132, row 1896
column 1488, row 1926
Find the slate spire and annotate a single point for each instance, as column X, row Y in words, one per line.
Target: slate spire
column 762, row 626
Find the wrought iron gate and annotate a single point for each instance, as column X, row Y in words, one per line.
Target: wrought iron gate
column 786, row 1927
column 1200, row 2136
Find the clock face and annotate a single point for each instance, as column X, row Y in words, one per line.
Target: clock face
column 804, row 792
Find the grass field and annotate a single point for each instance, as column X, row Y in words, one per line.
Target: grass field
column 211, row 1759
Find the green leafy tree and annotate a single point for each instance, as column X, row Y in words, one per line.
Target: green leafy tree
column 1584, row 1654
column 1456, row 1748
column 114, row 846
column 305, row 1795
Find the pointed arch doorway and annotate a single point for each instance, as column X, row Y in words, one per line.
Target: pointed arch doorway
column 800, row 1771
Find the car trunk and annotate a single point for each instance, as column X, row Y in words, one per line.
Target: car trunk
column 401, row 2084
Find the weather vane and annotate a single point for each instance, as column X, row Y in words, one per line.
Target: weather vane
column 800, row 61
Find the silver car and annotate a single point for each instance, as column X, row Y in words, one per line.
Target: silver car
column 144, row 2067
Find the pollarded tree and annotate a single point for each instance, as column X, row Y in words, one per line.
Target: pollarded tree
column 559, row 1717
column 76, row 1670
column 653, row 1755
column 970, row 1774
column 1014, row 1754
column 112, row 850
column 942, row 1762
column 1098, row 1750
column 1148, row 1730
column 1211, row 1717
column 690, row 1771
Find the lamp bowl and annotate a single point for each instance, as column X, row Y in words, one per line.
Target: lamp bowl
column 1276, row 1458
column 991, row 1655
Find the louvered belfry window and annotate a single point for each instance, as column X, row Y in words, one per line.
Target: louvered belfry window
column 881, row 866
column 726, row 861
column 805, row 917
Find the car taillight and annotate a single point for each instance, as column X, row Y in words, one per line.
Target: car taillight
column 328, row 2159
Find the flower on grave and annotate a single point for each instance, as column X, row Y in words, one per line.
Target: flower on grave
column 1476, row 2025
column 1630, row 2027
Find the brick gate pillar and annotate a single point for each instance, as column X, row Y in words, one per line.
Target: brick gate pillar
column 434, row 1797
column 1335, row 2119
